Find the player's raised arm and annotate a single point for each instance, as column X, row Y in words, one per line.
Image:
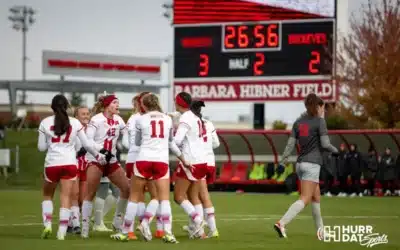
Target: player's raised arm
column 42, row 141
column 181, row 132
column 90, row 147
column 90, row 132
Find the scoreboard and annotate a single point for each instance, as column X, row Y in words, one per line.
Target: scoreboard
column 223, row 53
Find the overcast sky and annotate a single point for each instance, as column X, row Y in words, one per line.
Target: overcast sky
column 119, row 27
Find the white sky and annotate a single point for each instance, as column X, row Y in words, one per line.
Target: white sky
column 119, row 27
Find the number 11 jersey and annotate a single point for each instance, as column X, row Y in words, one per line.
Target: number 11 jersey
column 153, row 133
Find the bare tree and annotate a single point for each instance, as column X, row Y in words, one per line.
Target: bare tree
column 368, row 65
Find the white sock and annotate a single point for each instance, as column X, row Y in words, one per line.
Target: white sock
column 210, row 217
column 87, row 207
column 98, row 211
column 316, row 213
column 140, row 211
column 119, row 212
column 129, row 220
column 64, row 217
column 160, row 225
column 75, row 216
column 47, row 212
column 293, row 210
column 151, row 210
column 199, row 210
column 190, row 210
column 109, row 203
column 166, row 216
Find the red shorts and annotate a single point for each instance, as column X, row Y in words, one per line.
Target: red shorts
column 151, row 170
column 82, row 165
column 106, row 169
column 211, row 174
column 200, row 171
column 129, row 169
column 82, row 175
column 55, row 173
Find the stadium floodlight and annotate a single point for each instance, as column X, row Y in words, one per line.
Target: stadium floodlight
column 22, row 18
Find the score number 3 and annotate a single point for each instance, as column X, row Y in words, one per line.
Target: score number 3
column 204, row 65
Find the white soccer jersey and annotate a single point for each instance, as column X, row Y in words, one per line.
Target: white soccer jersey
column 105, row 133
column 154, row 135
column 61, row 150
column 129, row 138
column 211, row 140
column 189, row 138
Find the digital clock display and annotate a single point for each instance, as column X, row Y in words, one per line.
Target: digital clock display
column 260, row 49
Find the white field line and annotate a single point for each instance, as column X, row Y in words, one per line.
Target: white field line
column 237, row 219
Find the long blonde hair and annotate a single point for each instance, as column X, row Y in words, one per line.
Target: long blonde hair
column 135, row 101
column 151, row 102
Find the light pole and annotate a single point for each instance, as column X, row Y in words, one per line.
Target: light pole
column 22, row 18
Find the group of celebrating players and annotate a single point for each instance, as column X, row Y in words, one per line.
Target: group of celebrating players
column 81, row 151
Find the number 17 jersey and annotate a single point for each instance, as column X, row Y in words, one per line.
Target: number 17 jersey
column 61, row 149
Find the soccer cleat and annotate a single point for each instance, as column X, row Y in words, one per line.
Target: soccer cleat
column 60, row 236
column 85, row 230
column 280, row 230
column 132, row 236
column 119, row 237
column 159, row 234
column 145, row 231
column 186, row 228
column 101, row 228
column 195, row 231
column 76, row 230
column 170, row 238
column 214, row 234
column 70, row 230
column 46, row 233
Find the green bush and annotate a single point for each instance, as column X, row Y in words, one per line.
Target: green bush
column 279, row 125
column 335, row 121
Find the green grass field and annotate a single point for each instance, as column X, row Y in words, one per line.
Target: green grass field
column 244, row 221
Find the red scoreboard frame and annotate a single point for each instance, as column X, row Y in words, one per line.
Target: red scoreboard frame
column 252, row 51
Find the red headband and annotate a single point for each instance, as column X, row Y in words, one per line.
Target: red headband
column 107, row 100
column 179, row 100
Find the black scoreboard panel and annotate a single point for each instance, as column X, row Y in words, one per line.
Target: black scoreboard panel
column 274, row 48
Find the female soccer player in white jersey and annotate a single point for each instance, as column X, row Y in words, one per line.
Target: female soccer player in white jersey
column 310, row 132
column 129, row 143
column 189, row 136
column 154, row 136
column 104, row 129
column 83, row 115
column 201, row 198
column 58, row 135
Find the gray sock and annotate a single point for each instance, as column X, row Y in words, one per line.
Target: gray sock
column 293, row 210
column 316, row 213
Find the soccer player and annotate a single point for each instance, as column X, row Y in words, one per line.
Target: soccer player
column 104, row 129
column 74, row 226
column 311, row 133
column 58, row 135
column 189, row 136
column 201, row 198
column 154, row 136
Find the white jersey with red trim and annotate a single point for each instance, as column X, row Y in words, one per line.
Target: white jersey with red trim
column 154, row 133
column 131, row 132
column 60, row 149
column 211, row 140
column 105, row 133
column 189, row 137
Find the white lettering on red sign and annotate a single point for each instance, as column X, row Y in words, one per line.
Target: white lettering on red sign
column 257, row 91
